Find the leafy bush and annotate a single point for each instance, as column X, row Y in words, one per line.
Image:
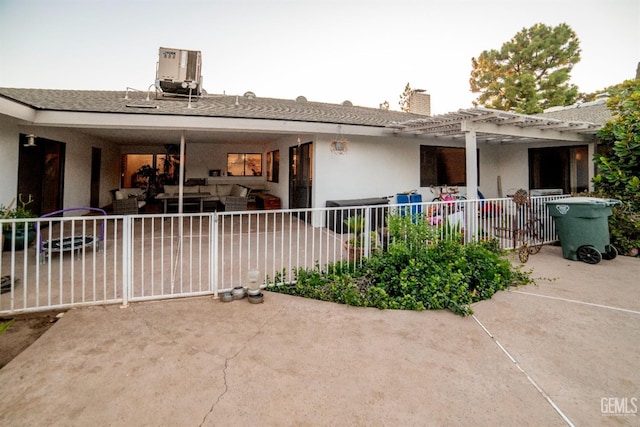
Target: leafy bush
column 618, row 167
column 624, row 227
column 418, row 271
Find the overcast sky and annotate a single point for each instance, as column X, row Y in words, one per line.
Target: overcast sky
column 326, row 50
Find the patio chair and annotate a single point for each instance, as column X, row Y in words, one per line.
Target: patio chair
column 125, row 206
column 235, row 203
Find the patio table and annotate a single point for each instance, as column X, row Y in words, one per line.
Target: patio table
column 166, row 197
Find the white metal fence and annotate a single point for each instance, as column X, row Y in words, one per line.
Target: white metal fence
column 84, row 260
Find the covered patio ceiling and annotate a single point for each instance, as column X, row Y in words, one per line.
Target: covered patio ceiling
column 172, row 136
column 494, row 126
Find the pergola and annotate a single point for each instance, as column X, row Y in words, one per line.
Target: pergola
column 494, row 126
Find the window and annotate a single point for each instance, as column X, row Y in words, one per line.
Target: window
column 442, row 166
column 565, row 168
column 241, row 164
column 148, row 170
column 273, row 166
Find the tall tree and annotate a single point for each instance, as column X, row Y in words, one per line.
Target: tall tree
column 405, row 97
column 530, row 72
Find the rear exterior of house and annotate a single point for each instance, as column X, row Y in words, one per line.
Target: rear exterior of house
column 68, row 149
column 307, row 152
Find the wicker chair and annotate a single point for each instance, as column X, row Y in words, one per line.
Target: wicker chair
column 127, row 201
column 127, row 206
column 235, row 203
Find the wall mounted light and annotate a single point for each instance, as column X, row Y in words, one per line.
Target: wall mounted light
column 31, row 140
column 339, row 145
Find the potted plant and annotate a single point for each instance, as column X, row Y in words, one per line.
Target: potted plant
column 8, row 234
column 355, row 244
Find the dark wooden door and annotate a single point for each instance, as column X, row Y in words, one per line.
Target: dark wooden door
column 41, row 175
column 96, row 156
column 300, row 175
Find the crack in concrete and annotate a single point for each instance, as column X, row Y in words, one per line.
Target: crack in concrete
column 229, row 359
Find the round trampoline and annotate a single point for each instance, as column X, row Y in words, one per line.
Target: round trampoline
column 68, row 243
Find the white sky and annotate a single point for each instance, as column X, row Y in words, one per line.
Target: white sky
column 326, row 50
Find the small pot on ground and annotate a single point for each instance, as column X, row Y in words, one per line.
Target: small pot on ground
column 226, row 296
column 253, row 292
column 256, row 299
column 238, row 292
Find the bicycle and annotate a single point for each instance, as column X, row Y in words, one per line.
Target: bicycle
column 526, row 228
column 447, row 194
column 447, row 201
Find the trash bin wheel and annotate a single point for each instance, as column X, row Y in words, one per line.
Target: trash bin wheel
column 610, row 252
column 589, row 254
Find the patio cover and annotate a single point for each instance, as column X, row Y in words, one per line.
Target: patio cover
column 494, row 126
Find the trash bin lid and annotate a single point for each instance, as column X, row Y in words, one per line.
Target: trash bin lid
column 585, row 201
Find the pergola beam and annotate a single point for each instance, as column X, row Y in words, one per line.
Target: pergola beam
column 491, row 124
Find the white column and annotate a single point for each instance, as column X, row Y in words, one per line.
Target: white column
column 471, row 152
column 181, row 174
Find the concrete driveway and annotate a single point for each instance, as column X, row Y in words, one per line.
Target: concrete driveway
column 564, row 352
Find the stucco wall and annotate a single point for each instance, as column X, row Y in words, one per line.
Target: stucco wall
column 489, row 170
column 370, row 168
column 8, row 160
column 77, row 171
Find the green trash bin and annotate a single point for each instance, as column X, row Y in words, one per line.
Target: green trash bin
column 582, row 224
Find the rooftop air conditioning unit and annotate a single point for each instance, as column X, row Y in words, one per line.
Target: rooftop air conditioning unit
column 179, row 71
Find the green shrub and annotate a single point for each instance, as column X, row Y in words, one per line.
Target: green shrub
column 418, row 271
column 617, row 163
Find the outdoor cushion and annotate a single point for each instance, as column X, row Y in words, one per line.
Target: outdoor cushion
column 239, row 190
column 119, row 195
column 211, row 189
column 191, row 188
column 224, row 189
column 171, row 189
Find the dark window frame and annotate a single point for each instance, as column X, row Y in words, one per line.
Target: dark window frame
column 273, row 166
column 246, row 164
column 551, row 168
column 442, row 165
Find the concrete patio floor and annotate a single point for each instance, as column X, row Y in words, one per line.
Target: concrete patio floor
column 560, row 353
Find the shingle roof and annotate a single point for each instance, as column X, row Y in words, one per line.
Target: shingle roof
column 227, row 106
column 594, row 112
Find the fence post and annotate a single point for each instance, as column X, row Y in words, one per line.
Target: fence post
column 471, row 216
column 213, row 251
column 367, row 231
column 127, row 273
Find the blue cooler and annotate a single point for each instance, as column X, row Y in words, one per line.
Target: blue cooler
column 416, row 203
column 402, row 198
column 414, row 200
